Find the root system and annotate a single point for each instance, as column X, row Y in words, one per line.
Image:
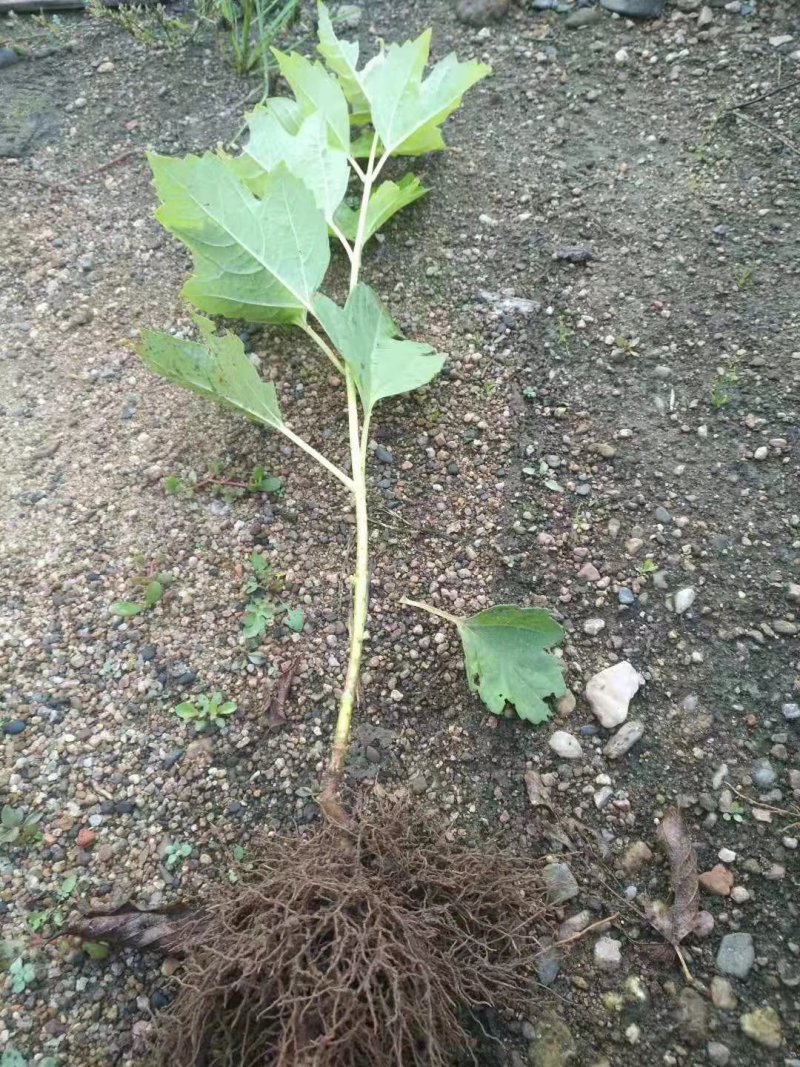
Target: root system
column 375, row 946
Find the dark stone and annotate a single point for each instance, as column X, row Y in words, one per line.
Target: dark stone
column 383, row 455
column 8, row 57
column 185, row 678
column 159, row 1000
column 148, row 653
column 626, row 597
column 234, row 808
column 172, row 758
column 481, row 12
column 635, row 9
column 124, row 807
column 574, row 254
column 16, row 726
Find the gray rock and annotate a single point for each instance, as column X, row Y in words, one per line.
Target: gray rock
column 14, row 727
column 418, row 784
column 683, row 600
column 624, row 739
column 626, row 597
column 635, row 9
column 548, row 963
column 554, row 1045
column 736, row 955
column 592, row 627
column 481, row 12
column 582, row 16
column 560, row 883
column 663, row 516
column 764, row 774
column 692, row 1016
column 762, row 1026
column 8, row 57
column 383, row 455
column 348, row 17
column 791, row 712
column 718, row 1053
column 607, row 954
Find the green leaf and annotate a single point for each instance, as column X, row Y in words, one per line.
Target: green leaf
column 295, row 619
column 96, row 950
column 342, row 58
column 258, row 615
column 227, row 708
column 11, row 817
column 365, row 335
column 217, row 369
column 238, row 853
column 127, row 608
column 385, row 201
column 153, row 593
column 317, row 91
column 12, row 1058
column 506, row 662
column 67, row 886
column 186, row 710
column 407, row 110
column 255, row 259
column 323, row 169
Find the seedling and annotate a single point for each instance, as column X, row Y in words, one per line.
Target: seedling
column 229, row 488
column 174, row 855
column 724, row 383
column 402, row 927
column 53, row 917
column 22, row 973
column 261, row 610
column 743, row 276
column 207, row 711
column 648, row 566
column 17, row 827
column 153, row 583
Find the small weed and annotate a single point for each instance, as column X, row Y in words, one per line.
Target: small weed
column 22, row 974
column 261, row 610
column 206, row 711
column 563, row 332
column 17, row 827
column 149, row 25
column 544, row 472
column 744, row 276
column 153, row 584
column 53, row 918
column 649, row 566
column 724, row 383
column 174, row 855
column 529, row 393
column 229, row 489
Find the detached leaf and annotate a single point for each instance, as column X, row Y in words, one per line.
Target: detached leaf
column 317, row 91
column 323, row 169
column 407, row 111
column 96, row 950
column 217, row 369
column 506, row 662
column 365, row 335
column 342, row 58
column 153, row 593
column 255, row 259
column 678, row 921
column 385, row 201
column 295, row 619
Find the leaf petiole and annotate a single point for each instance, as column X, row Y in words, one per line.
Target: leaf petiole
column 432, row 611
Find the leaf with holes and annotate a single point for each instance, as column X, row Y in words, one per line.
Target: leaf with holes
column 506, row 659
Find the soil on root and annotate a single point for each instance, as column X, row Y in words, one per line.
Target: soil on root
column 380, row 945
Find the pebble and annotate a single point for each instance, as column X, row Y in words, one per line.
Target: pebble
column 8, row 57
column 593, row 627
column 739, row 895
column 106, row 68
column 791, row 712
column 637, row 855
column 588, row 571
column 692, row 1016
column 610, row 691
column 582, row 16
column 684, row 598
column 565, row 745
column 481, row 12
column 548, row 963
column 14, row 727
column 705, row 18
column 718, row 881
column 736, row 955
column 722, row 994
column 762, row 1026
column 383, row 455
column 727, row 855
column 764, row 774
column 626, row 597
column 624, row 739
column 718, row 1053
column 575, row 924
column 621, row 56
column 607, row 954
column 560, row 883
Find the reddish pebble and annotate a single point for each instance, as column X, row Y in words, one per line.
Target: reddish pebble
column 718, row 881
column 86, row 838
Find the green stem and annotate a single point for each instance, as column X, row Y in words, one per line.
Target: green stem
column 323, row 345
column 244, row 54
column 454, row 619
column 347, row 482
column 329, row 797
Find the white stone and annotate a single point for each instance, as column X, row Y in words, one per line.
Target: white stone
column 776, row 42
column 621, row 56
column 739, row 895
column 607, row 954
column 593, row 627
column 705, row 18
column 610, row 691
column 684, row 599
column 727, row 855
column 565, row 745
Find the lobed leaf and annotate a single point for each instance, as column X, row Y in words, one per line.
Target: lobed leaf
column 506, row 661
column 323, row 169
column 256, row 259
column 407, row 110
column 217, row 368
column 342, row 58
column 317, row 91
column 386, row 200
column 366, row 337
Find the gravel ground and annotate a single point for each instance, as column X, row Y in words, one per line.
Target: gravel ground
column 610, row 256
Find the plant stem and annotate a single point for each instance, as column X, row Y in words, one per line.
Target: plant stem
column 244, row 54
column 454, row 619
column 346, row 481
column 329, row 797
column 323, row 345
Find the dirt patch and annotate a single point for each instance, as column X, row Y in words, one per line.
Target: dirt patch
column 647, row 412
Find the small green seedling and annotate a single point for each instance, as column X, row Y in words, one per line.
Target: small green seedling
column 743, row 276
column 17, row 827
column 261, row 610
column 259, row 225
column 153, row 590
column 648, row 566
column 228, row 488
column 207, row 711
column 544, row 472
column 724, row 385
column 22, row 973
column 174, row 855
column 53, row 917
